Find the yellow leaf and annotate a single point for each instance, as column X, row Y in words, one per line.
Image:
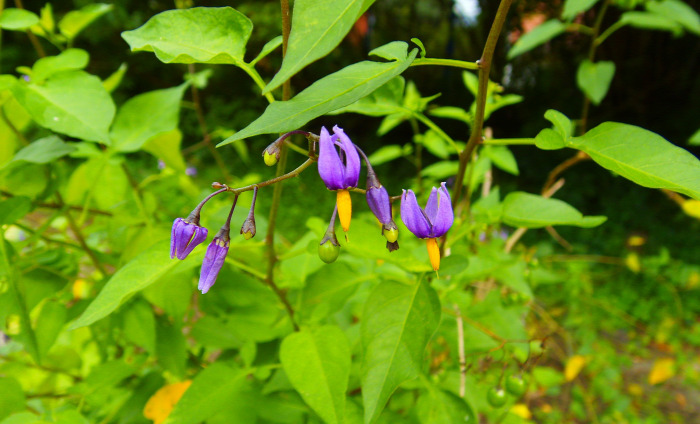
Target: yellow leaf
column 162, row 402
column 692, row 208
column 632, row 262
column 662, row 370
column 574, row 366
column 521, row 410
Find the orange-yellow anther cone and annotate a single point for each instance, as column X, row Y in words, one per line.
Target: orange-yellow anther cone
column 433, row 253
column 344, row 208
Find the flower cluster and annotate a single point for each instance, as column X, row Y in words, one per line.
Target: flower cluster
column 339, row 167
column 187, row 234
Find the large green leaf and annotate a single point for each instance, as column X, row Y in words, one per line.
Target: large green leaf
column 317, row 363
column 49, row 324
column 11, row 396
column 76, row 20
column 196, row 35
column 331, row 92
column 138, row 274
column 67, row 60
column 648, row 20
column 317, row 28
column 641, row 156
column 211, row 390
column 594, row 79
column 133, row 128
column 438, row 407
column 73, row 103
column 540, row 35
column 397, row 323
column 529, row 210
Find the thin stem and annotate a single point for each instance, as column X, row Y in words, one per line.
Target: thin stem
column 559, row 169
column 55, row 206
column 288, row 175
column 445, row 62
column 286, row 29
column 430, row 124
column 595, row 42
column 138, row 195
column 255, row 76
column 46, row 238
column 418, row 156
column 462, row 358
column 517, row 234
column 79, row 236
column 484, row 71
column 35, row 41
column 12, row 127
column 509, row 141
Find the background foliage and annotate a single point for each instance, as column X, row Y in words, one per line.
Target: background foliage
column 110, row 114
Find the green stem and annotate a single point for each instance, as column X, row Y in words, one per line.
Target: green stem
column 79, row 236
column 585, row 108
column 252, row 73
column 608, row 32
column 290, row 174
column 418, row 155
column 445, row 62
column 430, row 124
column 508, row 141
column 35, row 41
column 484, row 71
column 579, row 28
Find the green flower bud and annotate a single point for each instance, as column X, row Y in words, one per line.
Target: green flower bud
column 270, row 159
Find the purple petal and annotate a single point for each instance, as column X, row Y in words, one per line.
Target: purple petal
column 445, row 216
column 379, row 203
column 431, row 207
column 200, row 234
column 413, row 216
column 184, row 234
column 173, row 236
column 330, row 167
column 213, row 261
column 352, row 159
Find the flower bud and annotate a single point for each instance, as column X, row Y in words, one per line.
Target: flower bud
column 269, row 158
column 248, row 228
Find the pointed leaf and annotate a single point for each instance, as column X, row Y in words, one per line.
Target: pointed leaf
column 317, row 28
column 44, row 150
column 540, row 35
column 196, row 35
column 594, row 79
column 76, row 20
column 677, row 11
column 17, row 19
column 642, row 156
column 531, row 211
column 574, row 7
column 67, row 60
column 317, row 363
column 397, row 323
column 327, row 94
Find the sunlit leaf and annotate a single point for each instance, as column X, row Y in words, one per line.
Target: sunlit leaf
column 67, row 60
column 532, row 211
column 573, row 366
column 44, row 150
column 594, row 79
column 662, row 370
column 17, row 19
column 76, row 20
column 540, row 35
column 677, row 10
column 574, row 7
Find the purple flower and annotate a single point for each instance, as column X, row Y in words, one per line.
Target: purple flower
column 431, row 222
column 191, row 171
column 186, row 235
column 336, row 173
column 380, row 204
column 339, row 174
column 434, row 220
column 161, row 164
column 216, row 254
column 213, row 260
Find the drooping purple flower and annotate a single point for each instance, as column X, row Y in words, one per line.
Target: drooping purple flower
column 434, row 220
column 380, row 204
column 213, row 261
column 186, row 235
column 336, row 173
column 216, row 254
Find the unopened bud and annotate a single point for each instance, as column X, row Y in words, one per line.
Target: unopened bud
column 269, row 159
column 271, row 154
column 248, row 228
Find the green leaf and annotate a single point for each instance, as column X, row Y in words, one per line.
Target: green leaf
column 694, row 139
column 7, row 81
column 49, row 324
column 440, row 170
column 171, row 347
column 138, row 274
column 594, row 79
column 210, row 391
column 67, row 60
column 383, row 101
column 317, row 363
column 574, row 7
column 677, row 11
column 17, row 19
column 532, row 211
column 435, row 144
column 502, row 157
column 195, row 35
column 166, row 146
column 73, row 103
column 562, row 124
column 642, row 156
column 133, row 128
column 112, row 82
column 44, row 150
column 11, row 396
column 76, row 20
column 646, row 20
column 317, row 28
column 327, row 94
column 13, row 209
column 385, row 154
column 320, row 299
column 397, row 323
column 540, row 35
column 548, row 139
column 268, row 48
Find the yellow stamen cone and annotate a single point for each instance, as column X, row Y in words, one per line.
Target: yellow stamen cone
column 344, row 209
column 433, row 253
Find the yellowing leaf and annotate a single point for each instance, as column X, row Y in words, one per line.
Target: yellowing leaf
column 632, row 262
column 521, row 410
column 692, row 208
column 662, row 370
column 574, row 366
column 162, row 402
